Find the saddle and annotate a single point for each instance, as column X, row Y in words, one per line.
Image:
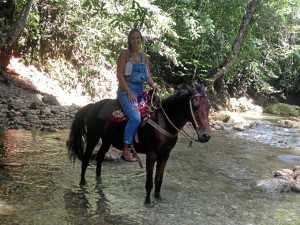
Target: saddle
column 112, row 110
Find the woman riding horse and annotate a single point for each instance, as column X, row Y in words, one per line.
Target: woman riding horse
column 156, row 138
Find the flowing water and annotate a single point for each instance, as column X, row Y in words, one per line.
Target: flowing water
column 212, row 184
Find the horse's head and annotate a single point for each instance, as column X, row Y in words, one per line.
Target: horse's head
column 199, row 108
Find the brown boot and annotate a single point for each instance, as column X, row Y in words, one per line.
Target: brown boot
column 127, row 155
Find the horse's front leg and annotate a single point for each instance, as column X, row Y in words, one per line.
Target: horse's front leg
column 150, row 161
column 160, row 168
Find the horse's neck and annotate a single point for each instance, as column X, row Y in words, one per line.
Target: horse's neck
column 171, row 119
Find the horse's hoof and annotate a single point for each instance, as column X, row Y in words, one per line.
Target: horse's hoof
column 157, row 196
column 82, row 183
column 98, row 180
column 149, row 204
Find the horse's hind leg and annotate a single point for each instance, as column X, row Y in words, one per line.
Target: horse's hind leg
column 90, row 145
column 100, row 157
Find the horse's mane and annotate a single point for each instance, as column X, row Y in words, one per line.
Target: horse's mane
column 175, row 99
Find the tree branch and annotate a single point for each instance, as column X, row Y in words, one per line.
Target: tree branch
column 16, row 30
column 225, row 66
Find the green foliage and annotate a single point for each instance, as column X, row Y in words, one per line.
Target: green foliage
column 186, row 39
column 207, row 30
column 132, row 15
column 282, row 109
column 269, row 59
column 277, row 32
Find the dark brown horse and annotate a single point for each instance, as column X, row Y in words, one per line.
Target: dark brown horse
column 157, row 137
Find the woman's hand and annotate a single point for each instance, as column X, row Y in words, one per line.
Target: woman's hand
column 154, row 87
column 131, row 97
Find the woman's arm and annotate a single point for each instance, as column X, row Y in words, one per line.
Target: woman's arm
column 150, row 80
column 123, row 58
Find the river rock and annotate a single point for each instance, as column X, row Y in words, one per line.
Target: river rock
column 243, row 104
column 47, row 122
column 286, row 123
column 239, row 127
column 219, row 116
column 297, row 177
column 296, row 167
column 31, row 118
column 297, row 119
column 285, row 174
column 36, row 105
column 50, row 100
column 46, row 111
column 274, row 185
column 11, row 113
column 296, row 185
column 284, row 180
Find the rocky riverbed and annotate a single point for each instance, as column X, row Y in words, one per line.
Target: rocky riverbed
column 30, row 99
column 23, row 109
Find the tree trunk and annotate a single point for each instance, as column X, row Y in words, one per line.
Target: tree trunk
column 11, row 36
column 5, row 56
column 225, row 66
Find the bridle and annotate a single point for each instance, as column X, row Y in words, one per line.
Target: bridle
column 158, row 105
column 196, row 127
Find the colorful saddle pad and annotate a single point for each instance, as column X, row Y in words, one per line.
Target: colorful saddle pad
column 118, row 114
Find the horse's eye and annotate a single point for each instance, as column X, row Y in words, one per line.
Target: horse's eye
column 196, row 103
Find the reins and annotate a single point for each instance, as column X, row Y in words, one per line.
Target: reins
column 183, row 132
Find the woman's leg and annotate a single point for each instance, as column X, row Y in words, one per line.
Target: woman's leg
column 134, row 119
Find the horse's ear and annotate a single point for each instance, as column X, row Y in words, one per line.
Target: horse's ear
column 201, row 88
column 190, row 89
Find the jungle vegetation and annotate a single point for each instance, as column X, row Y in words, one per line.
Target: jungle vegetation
column 236, row 47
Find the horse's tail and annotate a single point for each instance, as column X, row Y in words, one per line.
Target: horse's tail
column 77, row 136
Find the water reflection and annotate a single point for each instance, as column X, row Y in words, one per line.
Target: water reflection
column 213, row 185
column 80, row 203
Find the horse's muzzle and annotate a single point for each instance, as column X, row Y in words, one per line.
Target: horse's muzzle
column 203, row 136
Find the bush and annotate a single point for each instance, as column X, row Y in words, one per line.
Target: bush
column 282, row 109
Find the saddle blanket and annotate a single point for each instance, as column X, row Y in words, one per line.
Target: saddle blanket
column 118, row 115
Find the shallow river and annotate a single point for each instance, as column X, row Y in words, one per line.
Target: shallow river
column 212, row 184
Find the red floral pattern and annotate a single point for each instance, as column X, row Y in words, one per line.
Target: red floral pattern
column 119, row 116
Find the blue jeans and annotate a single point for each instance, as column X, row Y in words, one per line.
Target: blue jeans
column 133, row 115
